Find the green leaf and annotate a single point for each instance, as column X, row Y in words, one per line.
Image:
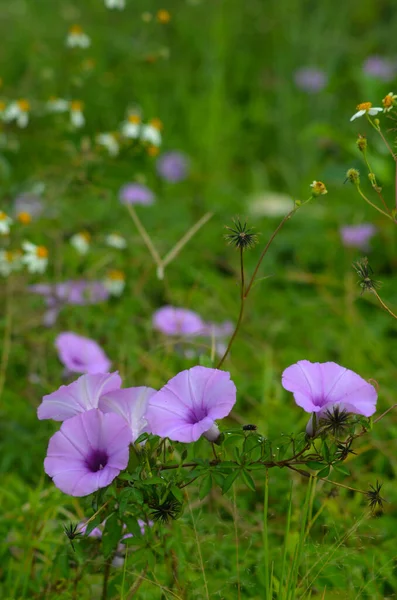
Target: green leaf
column 315, row 466
column 249, row 482
column 206, row 486
column 177, row 493
column 111, row 535
column 325, row 451
column 324, row 472
column 230, row 479
column 339, row 468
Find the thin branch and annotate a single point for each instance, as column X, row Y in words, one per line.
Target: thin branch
column 184, row 240
column 391, row 313
column 145, row 236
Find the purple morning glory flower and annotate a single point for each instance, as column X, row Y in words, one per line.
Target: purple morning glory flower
column 178, row 321
column 79, row 293
column 95, row 533
column 310, row 79
column 80, row 354
column 77, row 397
column 173, row 166
column 357, row 236
column 88, row 452
column 136, row 193
column 131, row 404
column 188, row 405
column 319, row 387
column 380, row 68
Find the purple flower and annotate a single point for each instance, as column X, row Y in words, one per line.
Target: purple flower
column 131, row 404
column 178, row 321
column 79, row 293
column 310, row 79
column 187, row 406
column 357, row 236
column 88, row 452
column 136, row 193
column 320, row 387
column 77, row 397
column 173, row 166
column 80, row 354
column 380, row 68
column 95, row 533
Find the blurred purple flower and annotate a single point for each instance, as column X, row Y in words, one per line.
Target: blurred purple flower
column 28, row 203
column 136, row 193
column 173, row 166
column 380, row 68
column 357, row 236
column 178, row 321
column 187, row 406
column 131, row 404
column 310, row 79
column 320, row 387
column 88, row 452
column 95, row 533
column 80, row 354
column 79, row 293
column 79, row 396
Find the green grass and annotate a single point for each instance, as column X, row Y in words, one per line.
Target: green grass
column 227, row 98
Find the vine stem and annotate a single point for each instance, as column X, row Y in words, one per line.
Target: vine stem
column 372, row 204
column 387, row 309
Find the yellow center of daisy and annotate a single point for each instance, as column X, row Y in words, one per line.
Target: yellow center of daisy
column 76, row 106
column 388, row 101
column 134, row 119
column 24, row 218
column 23, row 105
column 3, row 216
column 86, row 236
column 156, row 123
column 364, row 106
column 163, row 16
column 41, row 252
column 2, row 106
column 76, row 30
column 8, row 256
column 153, row 150
column 116, row 275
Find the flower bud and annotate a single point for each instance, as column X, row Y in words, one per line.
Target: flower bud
column 318, row 188
column 353, row 176
column 361, row 143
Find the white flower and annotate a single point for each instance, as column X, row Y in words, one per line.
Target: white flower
column 389, row 101
column 114, row 240
column 81, row 242
column 115, row 282
column 76, row 114
column 35, row 257
column 77, row 38
column 120, row 4
column 366, row 108
column 132, row 127
column 270, row 204
column 58, row 105
column 151, row 132
column 109, row 141
column 17, row 111
column 5, row 222
column 9, row 262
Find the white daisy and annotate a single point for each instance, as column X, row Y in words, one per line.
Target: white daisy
column 115, row 282
column 366, row 108
column 76, row 114
column 120, row 4
column 17, row 111
column 81, row 242
column 77, row 38
column 389, row 101
column 35, row 257
column 57, row 105
column 131, row 128
column 151, row 132
column 114, row 240
column 109, row 141
column 5, row 222
column 6, row 262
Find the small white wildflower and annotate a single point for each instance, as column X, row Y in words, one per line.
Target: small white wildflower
column 108, row 141
column 131, row 128
column 81, row 242
column 389, row 101
column 114, row 240
column 76, row 114
column 366, row 108
column 115, row 282
column 9, row 262
column 57, row 105
column 151, row 132
column 17, row 111
column 5, row 222
column 35, row 257
column 270, row 204
column 77, row 38
column 120, row 4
